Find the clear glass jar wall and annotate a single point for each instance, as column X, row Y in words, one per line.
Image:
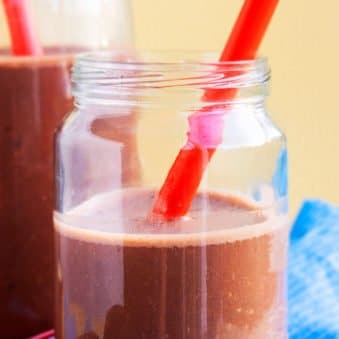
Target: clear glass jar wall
column 35, row 97
column 219, row 271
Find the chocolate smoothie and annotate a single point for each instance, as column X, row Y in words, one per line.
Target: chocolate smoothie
column 34, row 98
column 214, row 274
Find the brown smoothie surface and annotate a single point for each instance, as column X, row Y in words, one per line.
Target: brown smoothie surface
column 217, row 273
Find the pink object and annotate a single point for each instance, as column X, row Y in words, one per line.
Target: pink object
column 206, row 129
column 46, row 335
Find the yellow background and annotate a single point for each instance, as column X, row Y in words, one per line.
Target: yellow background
column 303, row 48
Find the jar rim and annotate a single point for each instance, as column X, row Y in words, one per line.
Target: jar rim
column 134, row 59
column 164, row 69
column 126, row 74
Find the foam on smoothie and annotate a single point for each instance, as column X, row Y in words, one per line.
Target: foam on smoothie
column 116, row 217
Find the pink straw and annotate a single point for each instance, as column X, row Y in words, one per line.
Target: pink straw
column 46, row 335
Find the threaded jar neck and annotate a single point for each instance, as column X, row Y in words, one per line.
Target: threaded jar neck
column 140, row 79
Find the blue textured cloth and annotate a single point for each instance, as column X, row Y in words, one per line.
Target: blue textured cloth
column 314, row 273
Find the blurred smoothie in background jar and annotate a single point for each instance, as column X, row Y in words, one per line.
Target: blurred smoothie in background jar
column 34, row 98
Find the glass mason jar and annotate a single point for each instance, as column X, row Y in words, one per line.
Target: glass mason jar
column 217, row 272
column 34, row 98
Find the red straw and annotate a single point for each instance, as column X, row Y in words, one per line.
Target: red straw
column 175, row 196
column 24, row 40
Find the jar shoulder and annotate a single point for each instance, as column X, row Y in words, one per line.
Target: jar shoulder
column 248, row 128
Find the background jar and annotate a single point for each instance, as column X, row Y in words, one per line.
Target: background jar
column 35, row 96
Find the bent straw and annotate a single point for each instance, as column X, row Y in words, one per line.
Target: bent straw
column 24, row 40
column 175, row 196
